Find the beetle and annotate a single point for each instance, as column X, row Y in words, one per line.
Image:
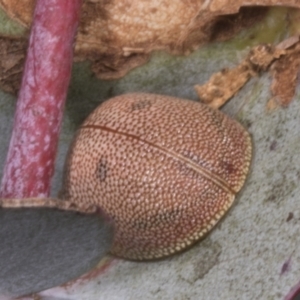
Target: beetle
column 164, row 169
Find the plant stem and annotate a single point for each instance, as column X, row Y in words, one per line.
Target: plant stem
column 31, row 156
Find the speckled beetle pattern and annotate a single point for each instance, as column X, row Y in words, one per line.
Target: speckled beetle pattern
column 165, row 170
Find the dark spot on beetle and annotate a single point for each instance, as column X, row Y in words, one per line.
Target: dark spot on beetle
column 290, row 217
column 102, row 169
column 273, row 146
column 228, row 167
column 139, row 105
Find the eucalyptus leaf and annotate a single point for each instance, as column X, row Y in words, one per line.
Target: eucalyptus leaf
column 42, row 248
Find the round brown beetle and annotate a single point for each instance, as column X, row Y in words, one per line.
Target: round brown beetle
column 165, row 170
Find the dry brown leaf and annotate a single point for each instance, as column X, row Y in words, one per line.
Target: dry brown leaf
column 20, row 10
column 282, row 60
column 285, row 76
column 225, row 84
column 11, row 63
column 118, row 35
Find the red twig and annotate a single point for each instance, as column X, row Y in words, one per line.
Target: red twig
column 30, row 161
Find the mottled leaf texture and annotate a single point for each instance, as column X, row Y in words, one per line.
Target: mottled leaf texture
column 42, row 248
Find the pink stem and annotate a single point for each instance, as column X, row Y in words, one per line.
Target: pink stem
column 30, row 161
